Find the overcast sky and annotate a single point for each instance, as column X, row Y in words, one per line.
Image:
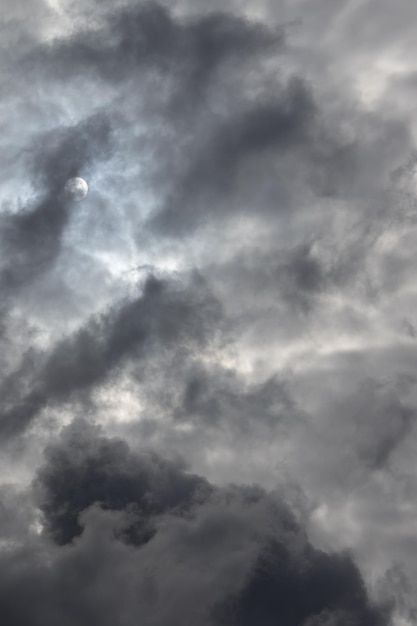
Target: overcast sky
column 208, row 390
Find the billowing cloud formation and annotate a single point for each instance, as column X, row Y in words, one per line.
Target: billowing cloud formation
column 236, row 290
column 87, row 468
column 145, row 539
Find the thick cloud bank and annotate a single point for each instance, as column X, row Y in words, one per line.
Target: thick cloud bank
column 138, row 538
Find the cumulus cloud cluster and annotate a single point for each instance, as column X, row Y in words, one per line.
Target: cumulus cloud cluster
column 130, row 534
column 208, row 389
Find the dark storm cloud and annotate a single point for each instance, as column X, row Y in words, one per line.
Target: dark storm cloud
column 164, row 317
column 234, row 555
column 87, row 468
column 320, row 589
column 32, row 237
column 148, row 36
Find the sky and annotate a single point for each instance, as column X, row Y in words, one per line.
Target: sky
column 208, row 386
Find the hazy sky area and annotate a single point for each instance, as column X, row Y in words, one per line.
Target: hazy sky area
column 208, row 366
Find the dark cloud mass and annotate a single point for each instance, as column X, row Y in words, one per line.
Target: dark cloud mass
column 148, row 36
column 207, row 365
column 237, row 553
column 88, row 468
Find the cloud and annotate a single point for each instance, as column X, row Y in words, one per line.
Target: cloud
column 131, row 38
column 164, row 316
column 283, row 124
column 88, row 468
column 233, row 555
column 257, row 163
column 32, row 237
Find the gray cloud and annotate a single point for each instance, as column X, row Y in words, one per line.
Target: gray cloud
column 163, row 316
column 260, row 160
column 282, row 124
column 148, row 36
column 32, row 237
column 234, row 555
column 88, row 468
